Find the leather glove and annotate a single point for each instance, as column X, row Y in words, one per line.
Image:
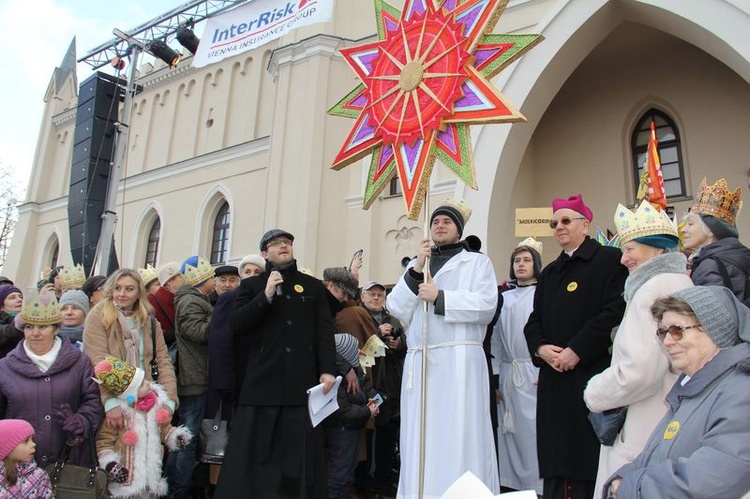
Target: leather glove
column 117, row 472
column 75, row 425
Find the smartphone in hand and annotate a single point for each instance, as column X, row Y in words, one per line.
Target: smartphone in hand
column 356, row 256
column 376, row 400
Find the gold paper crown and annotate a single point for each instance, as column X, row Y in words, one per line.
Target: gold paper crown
column 459, row 206
column 41, row 310
column 646, row 221
column 114, row 374
column 718, row 201
column 532, row 243
column 148, row 274
column 72, row 277
column 196, row 275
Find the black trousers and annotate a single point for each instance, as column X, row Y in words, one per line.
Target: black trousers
column 568, row 488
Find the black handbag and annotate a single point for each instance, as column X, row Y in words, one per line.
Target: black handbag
column 608, row 424
column 70, row 481
column 213, row 438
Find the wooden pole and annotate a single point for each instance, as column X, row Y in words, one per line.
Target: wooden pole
column 423, row 405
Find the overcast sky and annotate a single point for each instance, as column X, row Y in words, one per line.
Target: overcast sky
column 34, row 38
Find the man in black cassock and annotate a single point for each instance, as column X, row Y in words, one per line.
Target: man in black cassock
column 273, row 451
column 578, row 301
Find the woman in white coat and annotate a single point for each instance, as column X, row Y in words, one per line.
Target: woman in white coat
column 639, row 376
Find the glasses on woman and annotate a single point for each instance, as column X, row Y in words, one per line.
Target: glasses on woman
column 676, row 331
column 564, row 220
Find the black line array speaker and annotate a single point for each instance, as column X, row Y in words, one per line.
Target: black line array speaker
column 99, row 97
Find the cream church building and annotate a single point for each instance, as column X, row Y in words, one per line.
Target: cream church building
column 220, row 154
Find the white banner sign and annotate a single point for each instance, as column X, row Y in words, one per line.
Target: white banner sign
column 256, row 24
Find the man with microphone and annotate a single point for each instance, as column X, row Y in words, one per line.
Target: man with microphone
column 273, row 449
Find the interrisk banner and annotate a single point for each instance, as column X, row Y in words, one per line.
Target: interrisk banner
column 255, row 24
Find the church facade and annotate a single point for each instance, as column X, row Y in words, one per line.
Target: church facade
column 218, row 155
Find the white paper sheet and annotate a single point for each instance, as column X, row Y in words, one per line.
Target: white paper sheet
column 469, row 486
column 321, row 406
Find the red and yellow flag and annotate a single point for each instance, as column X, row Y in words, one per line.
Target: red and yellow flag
column 653, row 180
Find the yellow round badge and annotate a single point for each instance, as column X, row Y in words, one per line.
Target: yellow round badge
column 572, row 286
column 298, row 288
column 672, row 428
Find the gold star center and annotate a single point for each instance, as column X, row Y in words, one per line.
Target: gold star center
column 411, row 76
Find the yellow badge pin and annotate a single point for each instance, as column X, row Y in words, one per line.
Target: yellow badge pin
column 298, row 288
column 672, row 428
column 572, row 286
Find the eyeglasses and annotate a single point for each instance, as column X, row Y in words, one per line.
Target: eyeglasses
column 564, row 221
column 279, row 241
column 675, row 331
column 375, row 294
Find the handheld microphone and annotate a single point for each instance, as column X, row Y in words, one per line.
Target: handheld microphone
column 279, row 291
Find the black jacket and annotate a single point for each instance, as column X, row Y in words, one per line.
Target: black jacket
column 290, row 339
column 388, row 372
column 736, row 260
column 578, row 301
column 9, row 335
column 353, row 412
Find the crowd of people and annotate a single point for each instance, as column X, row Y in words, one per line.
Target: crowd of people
column 447, row 372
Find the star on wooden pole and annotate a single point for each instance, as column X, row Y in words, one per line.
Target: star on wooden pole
column 424, row 82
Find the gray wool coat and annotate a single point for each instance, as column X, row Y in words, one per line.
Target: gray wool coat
column 702, row 446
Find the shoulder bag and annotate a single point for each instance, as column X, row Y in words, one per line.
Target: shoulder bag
column 608, row 424
column 70, row 481
column 213, row 438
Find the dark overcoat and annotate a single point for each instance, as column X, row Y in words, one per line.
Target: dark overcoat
column 578, row 302
column 273, row 450
column 290, row 340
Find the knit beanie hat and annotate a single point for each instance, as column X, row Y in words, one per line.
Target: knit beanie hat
column 719, row 228
column 168, row 271
column 119, row 377
column 717, row 310
column 661, row 241
column 256, row 260
column 12, row 433
column 343, row 279
column 456, row 210
column 348, row 347
column 7, row 290
column 77, row 298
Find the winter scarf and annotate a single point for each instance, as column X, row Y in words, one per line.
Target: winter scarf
column 666, row 263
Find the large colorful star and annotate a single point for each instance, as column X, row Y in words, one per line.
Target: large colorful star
column 424, row 82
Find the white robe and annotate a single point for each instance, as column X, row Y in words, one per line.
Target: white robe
column 519, row 468
column 458, row 427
